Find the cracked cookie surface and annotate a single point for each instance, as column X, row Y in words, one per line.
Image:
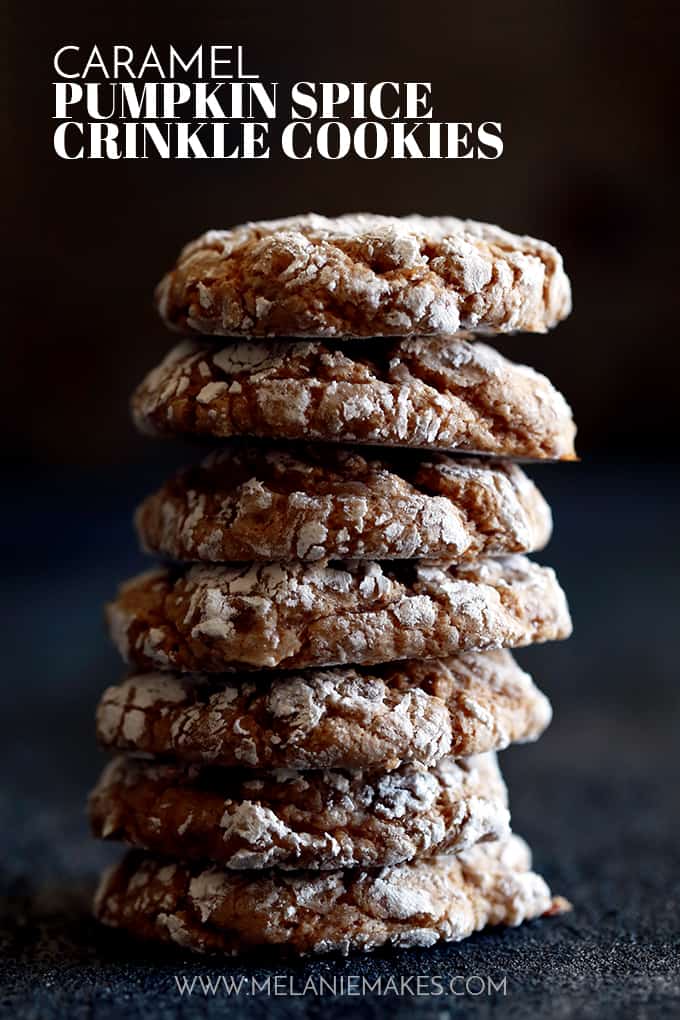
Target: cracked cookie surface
column 428, row 394
column 319, row 819
column 291, row 615
column 322, row 502
column 213, row 910
column 353, row 717
column 363, row 275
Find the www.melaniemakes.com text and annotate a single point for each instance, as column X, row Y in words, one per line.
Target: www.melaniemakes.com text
column 207, row 104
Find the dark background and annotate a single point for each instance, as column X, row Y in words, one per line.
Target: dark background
column 585, row 92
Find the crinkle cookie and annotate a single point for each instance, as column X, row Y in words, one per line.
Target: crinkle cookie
column 212, row 910
column 363, row 275
column 320, row 819
column 324, row 502
column 429, row 394
column 262, row 616
column 354, row 717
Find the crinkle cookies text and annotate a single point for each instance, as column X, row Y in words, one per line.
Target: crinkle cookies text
column 206, row 104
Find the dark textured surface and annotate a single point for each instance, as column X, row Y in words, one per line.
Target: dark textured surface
column 597, row 797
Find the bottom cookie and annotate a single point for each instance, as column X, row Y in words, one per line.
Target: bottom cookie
column 211, row 910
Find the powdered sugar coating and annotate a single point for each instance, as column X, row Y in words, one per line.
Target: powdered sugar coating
column 263, row 616
column 429, row 394
column 363, row 275
column 323, row 818
column 213, row 910
column 322, row 502
column 354, row 717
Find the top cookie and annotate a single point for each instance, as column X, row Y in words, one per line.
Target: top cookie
column 363, row 275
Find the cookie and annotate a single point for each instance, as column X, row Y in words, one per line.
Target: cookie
column 371, row 717
column 211, row 910
column 362, row 275
column 262, row 616
column 428, row 394
column 320, row 819
column 319, row 503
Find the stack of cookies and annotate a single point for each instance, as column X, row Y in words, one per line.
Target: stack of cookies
column 320, row 671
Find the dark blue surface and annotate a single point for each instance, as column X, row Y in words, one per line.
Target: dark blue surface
column 597, row 797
